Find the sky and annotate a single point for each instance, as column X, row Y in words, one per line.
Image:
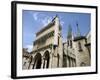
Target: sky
column 33, row 21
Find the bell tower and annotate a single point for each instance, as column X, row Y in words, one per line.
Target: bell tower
column 69, row 37
column 82, row 55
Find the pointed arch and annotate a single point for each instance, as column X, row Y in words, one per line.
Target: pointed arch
column 37, row 61
column 46, row 59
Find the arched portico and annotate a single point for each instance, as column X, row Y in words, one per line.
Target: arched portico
column 46, row 58
column 37, row 61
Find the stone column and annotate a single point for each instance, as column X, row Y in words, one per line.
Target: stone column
column 70, row 62
column 67, row 61
column 50, row 61
column 54, row 58
column 42, row 63
column 35, row 65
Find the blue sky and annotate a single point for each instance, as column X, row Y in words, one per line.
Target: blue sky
column 33, row 21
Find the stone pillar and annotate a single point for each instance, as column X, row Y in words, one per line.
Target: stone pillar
column 31, row 66
column 35, row 65
column 50, row 61
column 67, row 61
column 72, row 62
column 42, row 63
column 54, row 58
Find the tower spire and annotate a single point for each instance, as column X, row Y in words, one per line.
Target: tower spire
column 78, row 30
column 69, row 35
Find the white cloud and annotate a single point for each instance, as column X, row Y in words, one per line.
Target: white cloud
column 46, row 20
column 41, row 18
column 35, row 16
column 62, row 23
column 30, row 47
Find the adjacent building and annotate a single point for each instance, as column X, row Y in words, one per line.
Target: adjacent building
column 26, row 59
column 76, row 49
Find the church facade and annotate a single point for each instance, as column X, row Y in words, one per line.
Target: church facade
column 76, row 50
column 49, row 50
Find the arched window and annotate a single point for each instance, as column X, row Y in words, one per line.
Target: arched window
column 80, row 47
column 70, row 43
column 67, row 43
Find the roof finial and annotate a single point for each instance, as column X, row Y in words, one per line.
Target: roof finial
column 69, row 35
column 56, row 15
column 78, row 30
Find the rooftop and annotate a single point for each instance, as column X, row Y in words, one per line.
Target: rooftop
column 45, row 28
column 48, row 26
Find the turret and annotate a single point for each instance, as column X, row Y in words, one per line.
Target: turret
column 82, row 55
column 69, row 37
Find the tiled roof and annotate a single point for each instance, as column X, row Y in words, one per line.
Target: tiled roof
column 45, row 28
column 79, row 38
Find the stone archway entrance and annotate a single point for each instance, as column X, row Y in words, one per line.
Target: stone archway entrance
column 46, row 59
column 37, row 61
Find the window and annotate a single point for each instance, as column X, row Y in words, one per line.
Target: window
column 58, row 41
column 70, row 43
column 80, row 47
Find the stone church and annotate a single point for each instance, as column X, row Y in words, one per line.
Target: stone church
column 76, row 50
column 49, row 51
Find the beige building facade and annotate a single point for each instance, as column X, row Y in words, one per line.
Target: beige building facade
column 77, row 50
column 47, row 50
